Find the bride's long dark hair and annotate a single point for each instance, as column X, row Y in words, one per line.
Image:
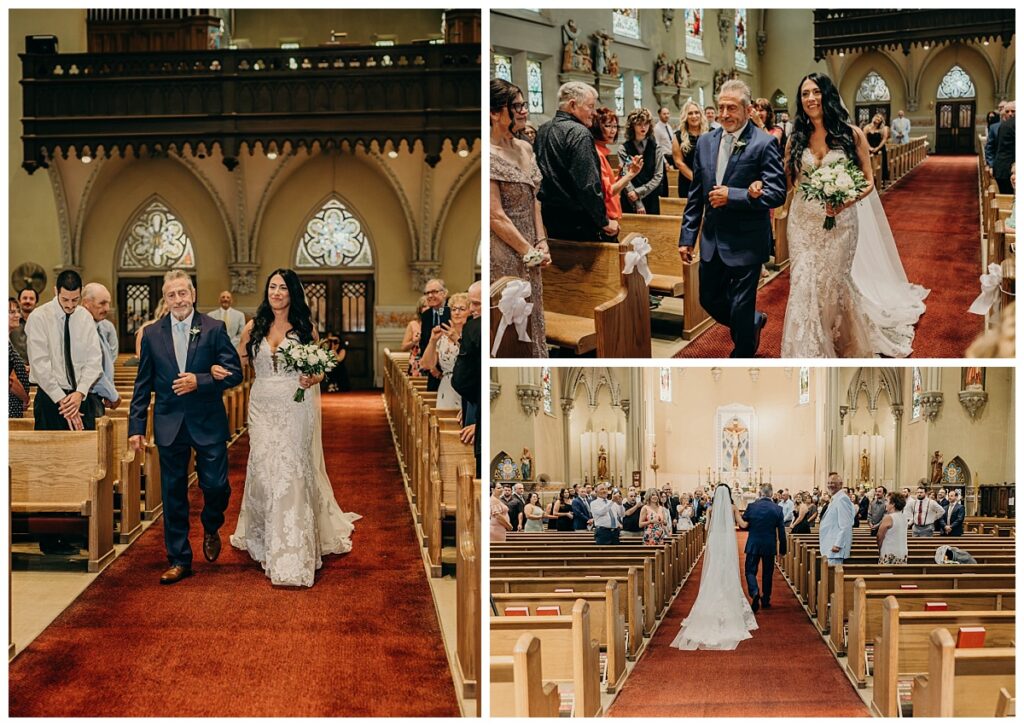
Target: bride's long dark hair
column 835, row 119
column 298, row 313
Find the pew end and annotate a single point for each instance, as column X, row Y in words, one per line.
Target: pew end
column 962, row 681
column 517, row 685
column 510, row 345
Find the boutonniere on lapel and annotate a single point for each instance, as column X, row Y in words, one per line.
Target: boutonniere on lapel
column 194, row 332
column 738, row 147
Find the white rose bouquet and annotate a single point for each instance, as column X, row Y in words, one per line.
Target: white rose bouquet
column 309, row 360
column 834, row 184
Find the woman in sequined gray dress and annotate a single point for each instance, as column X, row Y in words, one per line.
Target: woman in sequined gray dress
column 516, row 226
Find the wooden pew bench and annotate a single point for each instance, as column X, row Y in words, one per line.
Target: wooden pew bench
column 510, row 346
column 962, row 681
column 518, row 687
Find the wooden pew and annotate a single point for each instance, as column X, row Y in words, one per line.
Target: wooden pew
column 467, row 583
column 589, row 304
column 517, row 683
column 962, row 681
column 67, row 473
column 568, row 652
column 1006, row 704
column 902, row 649
column 511, row 346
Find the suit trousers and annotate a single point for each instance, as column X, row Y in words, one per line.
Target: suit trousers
column 48, row 418
column 212, row 468
column 569, row 224
column 767, row 564
column 924, row 530
column 606, row 536
column 729, row 294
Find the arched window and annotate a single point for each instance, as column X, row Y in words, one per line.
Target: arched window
column 502, row 66
column 535, row 86
column 620, row 96
column 918, row 390
column 626, row 23
column 638, row 91
column 741, row 38
column 695, row 32
column 956, row 84
column 156, row 240
column 873, row 88
column 779, row 101
column 333, row 237
column 545, row 384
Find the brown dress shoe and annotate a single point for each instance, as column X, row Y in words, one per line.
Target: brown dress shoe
column 174, row 574
column 211, row 546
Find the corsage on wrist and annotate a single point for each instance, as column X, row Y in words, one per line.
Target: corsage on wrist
column 533, row 258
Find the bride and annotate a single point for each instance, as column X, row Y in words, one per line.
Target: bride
column 849, row 296
column 289, row 516
column 721, row 616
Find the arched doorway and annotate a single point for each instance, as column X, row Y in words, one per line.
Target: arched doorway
column 954, row 113
column 957, row 475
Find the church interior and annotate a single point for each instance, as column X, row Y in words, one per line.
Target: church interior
column 940, row 77
column 676, row 434
column 343, row 144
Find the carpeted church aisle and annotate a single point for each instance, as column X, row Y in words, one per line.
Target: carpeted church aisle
column 364, row 641
column 784, row 670
column 934, row 216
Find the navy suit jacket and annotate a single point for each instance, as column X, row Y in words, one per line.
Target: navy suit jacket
column 741, row 231
column 580, row 513
column 956, row 519
column 766, row 526
column 201, row 411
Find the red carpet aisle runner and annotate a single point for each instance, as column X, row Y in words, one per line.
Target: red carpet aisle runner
column 933, row 213
column 363, row 641
column 784, row 670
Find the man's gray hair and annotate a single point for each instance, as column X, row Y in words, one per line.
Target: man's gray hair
column 766, row 490
column 575, row 91
column 92, row 289
column 439, row 281
column 736, row 86
column 173, row 275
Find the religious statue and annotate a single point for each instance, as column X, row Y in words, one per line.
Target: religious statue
column 583, row 60
column 734, row 433
column 569, row 34
column 526, row 465
column 865, row 466
column 662, row 71
column 602, row 51
column 973, row 378
column 682, row 73
column 936, row 477
column 613, row 64
column 602, row 464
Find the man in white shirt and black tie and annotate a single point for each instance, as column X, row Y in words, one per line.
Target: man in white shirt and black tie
column 607, row 517
column 923, row 512
column 234, row 320
column 64, row 357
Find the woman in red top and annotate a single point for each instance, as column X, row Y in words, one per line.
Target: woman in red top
column 605, row 128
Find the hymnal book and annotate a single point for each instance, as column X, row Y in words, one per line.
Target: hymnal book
column 548, row 610
column 973, row 637
column 517, row 610
column 935, row 606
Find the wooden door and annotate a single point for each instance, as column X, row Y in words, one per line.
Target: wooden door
column 954, row 127
column 344, row 305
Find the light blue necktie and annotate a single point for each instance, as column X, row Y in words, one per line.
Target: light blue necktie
column 723, row 157
column 181, row 344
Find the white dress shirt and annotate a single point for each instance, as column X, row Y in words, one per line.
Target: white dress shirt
column 234, row 321
column 601, row 510
column 663, row 135
column 925, row 512
column 44, row 332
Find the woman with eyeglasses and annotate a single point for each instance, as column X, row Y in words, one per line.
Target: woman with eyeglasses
column 519, row 246
column 605, row 129
column 642, row 193
column 443, row 349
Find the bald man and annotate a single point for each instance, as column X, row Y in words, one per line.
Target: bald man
column 103, row 394
column 234, row 320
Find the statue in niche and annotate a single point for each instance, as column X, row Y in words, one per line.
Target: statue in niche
column 583, row 61
column 602, row 51
column 663, row 71
column 974, row 379
column 865, row 466
column 602, row 464
column 526, row 465
column 936, row 477
column 613, row 64
column 682, row 73
column 570, row 51
column 735, row 437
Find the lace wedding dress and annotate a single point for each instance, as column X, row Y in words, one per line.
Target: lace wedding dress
column 289, row 515
column 447, row 354
column 721, row 616
column 828, row 315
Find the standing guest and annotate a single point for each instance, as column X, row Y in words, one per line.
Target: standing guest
column 528, row 134
column 606, row 517
column 763, row 117
column 517, row 507
column 436, row 314
column 862, row 506
column 955, row 519
column 878, row 507
column 631, row 513
column 923, row 513
column 566, row 514
column 500, row 525
column 666, row 512
column 801, row 522
column 533, row 514
column 652, row 521
column 711, row 116
column 697, row 505
column 692, row 123
column 104, row 395
column 823, row 502
column 992, row 135
column 606, row 131
column 234, row 320
column 672, row 502
column 572, row 205
column 620, row 514
column 519, row 244
column 27, row 301
column 892, row 532
column 788, row 508
column 17, row 379
column 900, row 128
column 642, row 194
column 64, row 358
column 1005, row 154
column 466, row 374
column 943, row 501
column 668, row 146
column 835, row 534
column 582, row 517
column 877, row 134
column 442, row 351
column 411, row 339
column 684, row 522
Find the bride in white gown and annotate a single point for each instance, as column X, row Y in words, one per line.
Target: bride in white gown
column 721, row 616
column 289, row 517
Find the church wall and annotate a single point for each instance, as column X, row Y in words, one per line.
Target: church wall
column 549, row 439
column 916, row 453
column 515, row 430
column 789, row 53
column 583, row 418
column 460, row 235
column 312, row 27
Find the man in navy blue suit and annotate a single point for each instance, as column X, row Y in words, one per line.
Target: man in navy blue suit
column 581, row 516
column 736, row 236
column 954, row 525
column 188, row 360
column 764, row 527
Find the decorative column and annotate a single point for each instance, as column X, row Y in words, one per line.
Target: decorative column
column 243, row 277
column 834, row 423
column 897, row 470
column 567, row 404
column 635, row 408
column 529, row 392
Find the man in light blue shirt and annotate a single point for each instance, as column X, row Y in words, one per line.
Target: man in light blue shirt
column 606, row 517
column 788, row 508
column 835, row 532
column 96, row 299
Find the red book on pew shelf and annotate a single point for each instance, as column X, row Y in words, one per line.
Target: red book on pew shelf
column 908, row 587
column 563, row 589
column 971, row 638
column 935, row 606
column 549, row 610
column 510, row 611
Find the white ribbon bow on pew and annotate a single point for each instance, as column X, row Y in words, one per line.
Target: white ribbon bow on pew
column 638, row 259
column 989, row 296
column 514, row 311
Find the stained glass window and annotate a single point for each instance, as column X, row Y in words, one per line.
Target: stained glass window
column 804, row 386
column 535, row 86
column 333, row 237
column 665, row 384
column 918, row 390
column 545, row 384
column 741, row 38
column 157, row 240
column 701, row 94
column 695, row 32
column 626, row 23
column 638, row 91
column 502, row 67
column 872, row 88
column 620, row 97
column 956, row 84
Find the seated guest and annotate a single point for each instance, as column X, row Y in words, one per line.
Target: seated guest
column 443, row 350
column 892, row 532
column 17, row 379
column 641, row 195
column 500, row 525
column 572, row 203
column 606, row 131
column 581, row 515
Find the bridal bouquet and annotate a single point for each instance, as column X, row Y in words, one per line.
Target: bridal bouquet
column 836, row 184
column 309, row 359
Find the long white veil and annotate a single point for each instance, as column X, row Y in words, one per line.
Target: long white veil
column 721, row 616
column 334, row 525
